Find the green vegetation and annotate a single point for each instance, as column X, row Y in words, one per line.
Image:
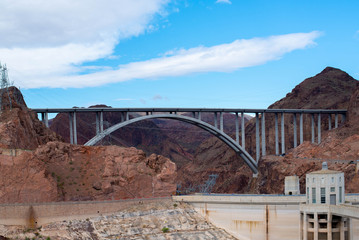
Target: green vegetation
column 165, row 229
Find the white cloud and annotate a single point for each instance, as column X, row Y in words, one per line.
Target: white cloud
column 221, row 58
column 224, row 1
column 42, row 23
column 43, row 39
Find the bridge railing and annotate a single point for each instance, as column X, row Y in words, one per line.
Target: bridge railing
column 260, row 121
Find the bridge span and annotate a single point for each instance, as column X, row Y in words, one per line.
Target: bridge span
column 237, row 145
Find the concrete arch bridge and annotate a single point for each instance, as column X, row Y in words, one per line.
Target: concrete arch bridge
column 235, row 144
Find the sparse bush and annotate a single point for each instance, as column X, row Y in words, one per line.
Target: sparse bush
column 165, row 229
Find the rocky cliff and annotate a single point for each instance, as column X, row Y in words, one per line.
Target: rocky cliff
column 37, row 167
column 332, row 88
column 19, row 127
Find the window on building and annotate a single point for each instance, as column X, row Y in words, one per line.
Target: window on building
column 332, row 189
column 340, row 194
column 332, row 179
column 323, row 180
column 322, row 195
column 314, row 197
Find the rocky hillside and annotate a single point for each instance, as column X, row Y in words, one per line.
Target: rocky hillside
column 62, row 172
column 332, row 88
column 37, row 167
column 19, row 127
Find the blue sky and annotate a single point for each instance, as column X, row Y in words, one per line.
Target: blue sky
column 162, row 53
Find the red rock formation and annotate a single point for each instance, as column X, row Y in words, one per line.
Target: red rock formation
column 332, row 88
column 25, row 179
column 56, row 171
column 19, row 127
column 60, row 171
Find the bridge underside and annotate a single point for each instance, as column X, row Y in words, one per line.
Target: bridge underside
column 207, row 127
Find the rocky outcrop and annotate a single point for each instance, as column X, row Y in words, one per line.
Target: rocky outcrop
column 59, row 171
column 25, row 179
column 19, row 127
column 332, row 88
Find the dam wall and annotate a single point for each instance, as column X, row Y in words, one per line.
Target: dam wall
column 256, row 217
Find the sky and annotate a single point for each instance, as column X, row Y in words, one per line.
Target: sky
column 180, row 53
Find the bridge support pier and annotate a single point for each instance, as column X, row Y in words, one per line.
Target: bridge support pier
column 276, row 133
column 258, row 150
column 73, row 129
column 301, row 128
column 221, row 121
column 313, row 137
column 45, row 118
column 319, row 129
column 282, row 133
column 215, row 120
column 263, row 135
column 97, row 123
column 295, row 130
column 243, row 130
column 336, row 120
column 237, row 129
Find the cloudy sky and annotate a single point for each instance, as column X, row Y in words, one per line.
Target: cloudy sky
column 180, row 53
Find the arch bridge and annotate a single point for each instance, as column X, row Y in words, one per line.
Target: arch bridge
column 195, row 119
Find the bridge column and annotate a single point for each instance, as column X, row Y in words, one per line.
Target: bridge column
column 336, row 120
column 301, row 128
column 97, row 123
column 101, row 122
column 243, row 134
column 282, row 133
column 215, row 120
column 319, row 129
column 127, row 116
column 313, row 137
column 199, row 116
column 295, row 129
column 330, row 121
column 263, row 135
column 221, row 121
column 257, row 138
column 237, row 128
column 75, row 128
column 45, row 118
column 276, row 134
column 194, row 114
column 122, row 116
column 71, row 132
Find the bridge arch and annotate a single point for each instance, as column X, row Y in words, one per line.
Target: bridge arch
column 207, row 127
